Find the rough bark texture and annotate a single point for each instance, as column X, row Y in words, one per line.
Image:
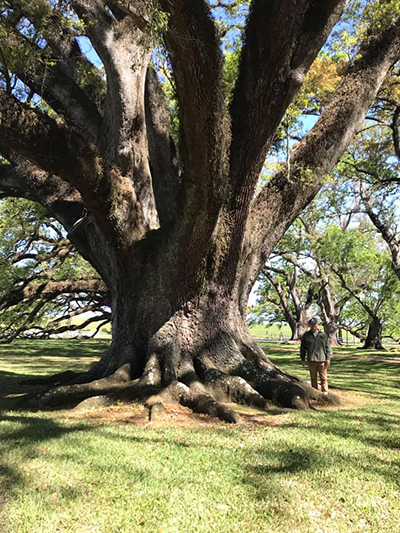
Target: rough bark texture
column 180, row 239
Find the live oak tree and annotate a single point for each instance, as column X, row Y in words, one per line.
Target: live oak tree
column 176, row 230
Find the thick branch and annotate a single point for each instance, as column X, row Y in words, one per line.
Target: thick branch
column 196, row 58
column 123, row 140
column 281, row 41
column 50, row 290
column 387, row 235
column 163, row 158
column 291, row 319
column 22, row 179
column 46, row 143
column 352, row 292
column 46, row 78
column 395, row 130
column 52, row 147
column 64, row 46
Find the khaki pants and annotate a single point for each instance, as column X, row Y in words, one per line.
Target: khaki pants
column 315, row 368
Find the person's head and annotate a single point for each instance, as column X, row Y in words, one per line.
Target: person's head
column 313, row 323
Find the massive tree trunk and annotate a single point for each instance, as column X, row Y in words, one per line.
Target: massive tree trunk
column 179, row 239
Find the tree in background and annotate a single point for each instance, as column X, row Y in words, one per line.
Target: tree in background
column 45, row 283
column 175, row 227
column 363, row 269
column 342, row 265
column 296, row 281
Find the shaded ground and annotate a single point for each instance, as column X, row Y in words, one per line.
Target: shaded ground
column 367, row 358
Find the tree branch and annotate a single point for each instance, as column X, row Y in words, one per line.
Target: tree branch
column 196, row 57
column 395, row 130
column 387, row 235
column 64, row 46
column 162, row 152
column 50, row 290
column 63, row 202
column 52, row 147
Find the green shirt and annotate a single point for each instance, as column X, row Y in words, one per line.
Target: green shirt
column 315, row 346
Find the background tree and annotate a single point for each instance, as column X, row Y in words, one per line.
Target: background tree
column 305, row 285
column 175, row 230
column 363, row 270
column 282, row 297
column 45, row 283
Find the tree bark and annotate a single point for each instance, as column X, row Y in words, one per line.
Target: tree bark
column 331, row 311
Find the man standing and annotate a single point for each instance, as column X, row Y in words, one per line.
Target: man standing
column 315, row 346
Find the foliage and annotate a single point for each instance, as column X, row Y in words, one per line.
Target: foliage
column 34, row 251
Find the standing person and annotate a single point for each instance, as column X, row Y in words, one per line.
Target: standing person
column 316, row 348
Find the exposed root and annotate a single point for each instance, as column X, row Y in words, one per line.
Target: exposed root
column 74, row 394
column 156, row 412
column 202, row 402
column 233, row 389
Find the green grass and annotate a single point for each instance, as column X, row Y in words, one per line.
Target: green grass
column 261, row 331
column 333, row 470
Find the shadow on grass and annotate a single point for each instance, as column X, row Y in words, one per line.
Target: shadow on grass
column 30, row 433
column 32, row 358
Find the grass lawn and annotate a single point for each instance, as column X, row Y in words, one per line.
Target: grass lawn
column 329, row 470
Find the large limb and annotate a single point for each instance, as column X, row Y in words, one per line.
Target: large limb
column 87, row 296
column 49, row 290
column 47, row 79
column 197, row 61
column 281, row 41
column 21, row 179
column 284, row 197
column 123, row 139
column 53, row 148
column 163, row 157
column 65, row 49
column 395, row 131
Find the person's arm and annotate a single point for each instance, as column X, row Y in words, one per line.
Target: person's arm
column 328, row 351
